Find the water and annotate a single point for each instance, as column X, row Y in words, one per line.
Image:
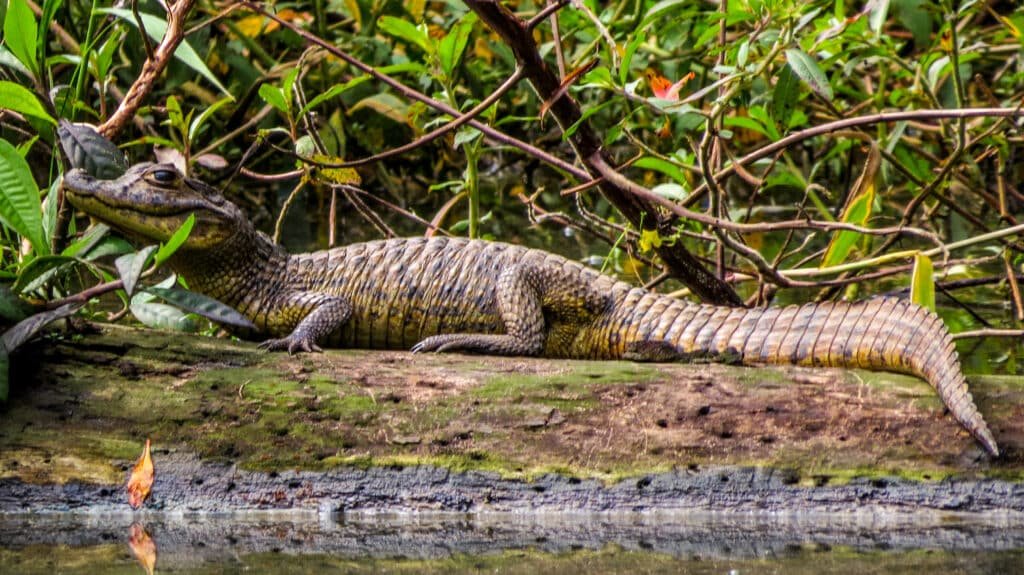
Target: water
column 701, row 543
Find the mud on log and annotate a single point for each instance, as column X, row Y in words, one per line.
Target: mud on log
column 234, row 428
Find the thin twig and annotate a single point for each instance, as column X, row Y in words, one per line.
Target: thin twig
column 847, row 123
column 991, row 332
column 488, row 131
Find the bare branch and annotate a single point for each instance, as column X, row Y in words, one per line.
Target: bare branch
column 154, row 65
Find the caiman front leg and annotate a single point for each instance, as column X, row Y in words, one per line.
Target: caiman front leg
column 317, row 316
column 518, row 295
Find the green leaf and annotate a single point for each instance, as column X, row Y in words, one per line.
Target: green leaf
column 156, row 27
column 275, row 97
column 451, row 47
column 89, row 150
column 12, row 307
column 175, row 115
column 39, row 271
column 20, row 32
column 90, row 238
column 9, row 60
column 339, row 89
column 465, row 135
column 131, row 266
column 20, row 99
column 20, row 208
column 665, row 167
column 205, row 306
column 385, row 104
column 857, row 211
column 197, row 124
column 807, row 69
column 405, row 30
column 637, row 38
column 109, row 246
column 784, row 97
column 162, row 316
column 28, row 328
column 180, row 235
column 922, row 282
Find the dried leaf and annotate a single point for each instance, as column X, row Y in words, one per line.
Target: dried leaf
column 143, row 547
column 141, row 480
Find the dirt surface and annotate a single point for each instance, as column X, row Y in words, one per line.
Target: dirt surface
column 226, row 415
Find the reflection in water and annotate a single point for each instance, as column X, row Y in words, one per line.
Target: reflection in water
column 142, row 546
column 509, row 543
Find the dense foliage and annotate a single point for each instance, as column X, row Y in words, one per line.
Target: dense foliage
column 747, row 131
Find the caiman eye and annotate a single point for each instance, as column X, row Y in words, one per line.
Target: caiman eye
column 164, row 176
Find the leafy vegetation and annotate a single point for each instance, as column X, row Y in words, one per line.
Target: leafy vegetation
column 741, row 147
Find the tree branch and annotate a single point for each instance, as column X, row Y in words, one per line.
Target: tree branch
column 177, row 13
column 640, row 211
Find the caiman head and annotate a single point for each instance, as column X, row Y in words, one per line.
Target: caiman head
column 151, row 201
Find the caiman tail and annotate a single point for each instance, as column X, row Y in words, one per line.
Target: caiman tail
column 883, row 334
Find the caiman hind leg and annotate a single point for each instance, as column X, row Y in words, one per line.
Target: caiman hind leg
column 519, row 296
column 314, row 315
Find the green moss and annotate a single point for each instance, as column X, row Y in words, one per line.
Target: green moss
column 517, row 417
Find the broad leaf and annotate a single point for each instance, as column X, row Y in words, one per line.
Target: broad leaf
column 167, row 250
column 41, row 270
column 922, row 282
column 20, row 99
column 203, row 305
column 663, row 166
column 28, row 328
column 23, row 331
column 275, row 97
column 131, row 266
column 12, row 307
column 162, row 316
column 156, row 27
column 89, row 239
column 87, row 149
column 405, row 30
column 784, row 97
column 109, row 246
column 20, row 208
column 197, row 124
column 451, row 47
column 20, row 31
column 807, row 69
column 857, row 211
column 386, row 105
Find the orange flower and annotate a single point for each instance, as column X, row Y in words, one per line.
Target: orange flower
column 664, row 88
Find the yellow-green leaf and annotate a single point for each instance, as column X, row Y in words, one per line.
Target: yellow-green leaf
column 649, row 240
column 857, row 211
column 386, row 105
column 922, row 282
column 344, row 176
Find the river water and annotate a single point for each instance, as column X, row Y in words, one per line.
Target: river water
column 698, row 543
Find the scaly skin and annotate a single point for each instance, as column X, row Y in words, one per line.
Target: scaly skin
column 444, row 294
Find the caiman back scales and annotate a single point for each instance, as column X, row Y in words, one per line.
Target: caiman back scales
column 443, row 294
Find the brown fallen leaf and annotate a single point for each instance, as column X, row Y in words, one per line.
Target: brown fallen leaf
column 141, row 481
column 142, row 546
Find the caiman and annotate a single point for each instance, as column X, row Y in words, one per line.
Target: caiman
column 447, row 294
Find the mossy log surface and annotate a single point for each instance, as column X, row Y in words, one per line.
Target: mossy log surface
column 234, row 428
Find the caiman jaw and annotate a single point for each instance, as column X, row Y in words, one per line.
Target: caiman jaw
column 153, row 201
